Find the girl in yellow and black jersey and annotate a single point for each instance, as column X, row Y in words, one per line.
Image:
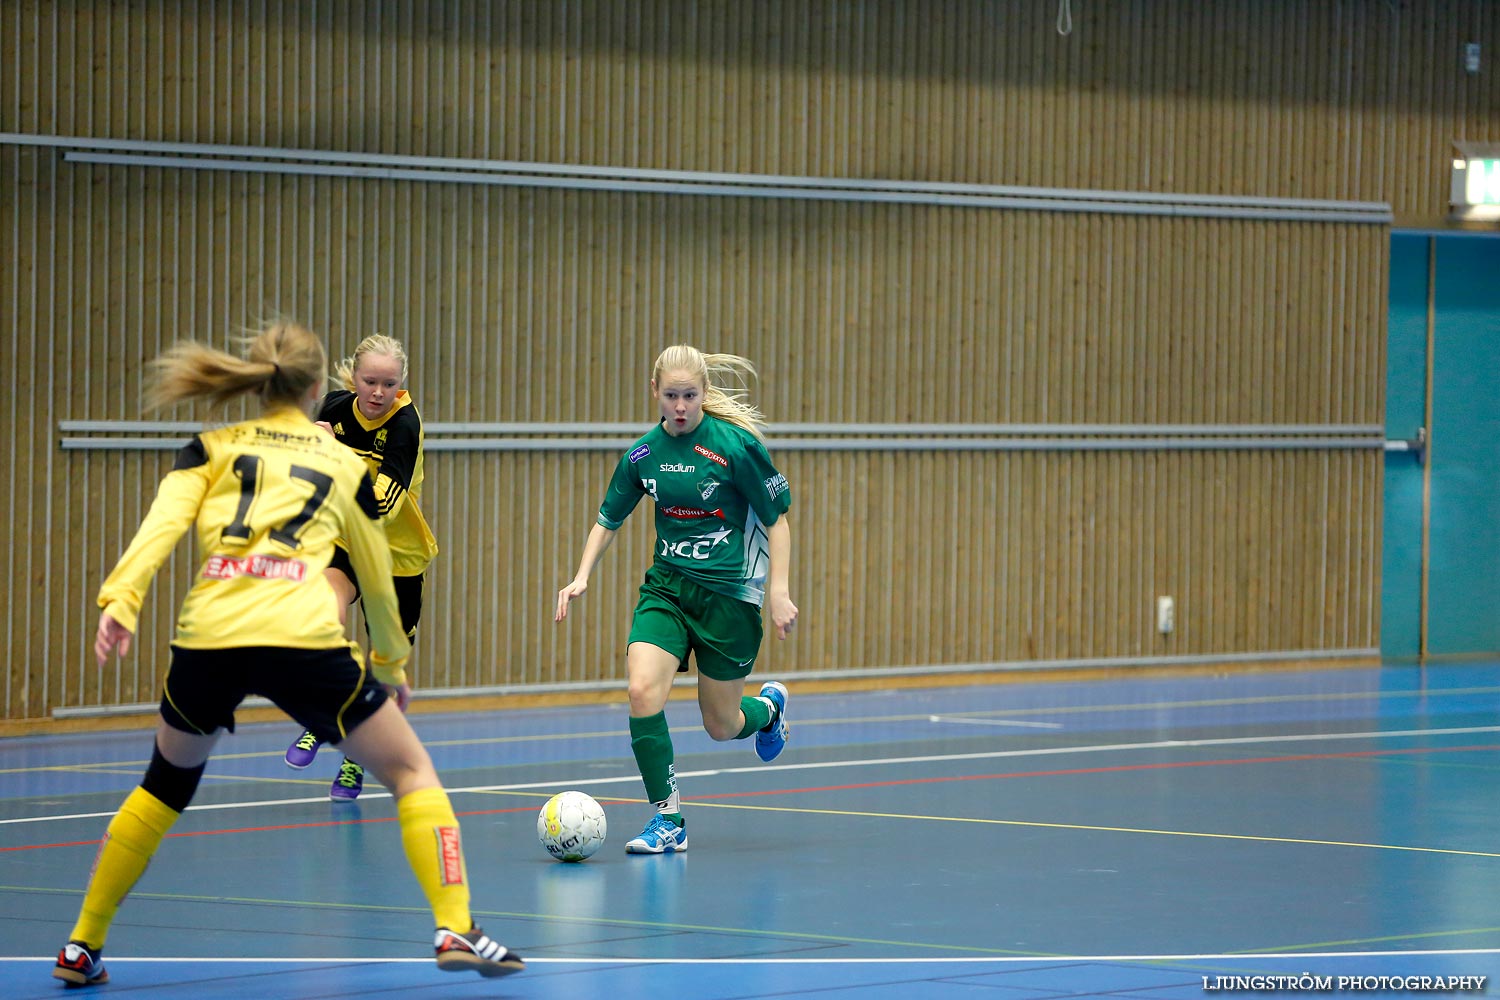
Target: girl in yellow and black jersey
column 375, row 418
column 269, row 497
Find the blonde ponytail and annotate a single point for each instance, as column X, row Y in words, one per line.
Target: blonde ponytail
column 282, row 363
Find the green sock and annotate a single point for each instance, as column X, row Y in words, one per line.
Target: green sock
column 757, row 716
column 652, row 745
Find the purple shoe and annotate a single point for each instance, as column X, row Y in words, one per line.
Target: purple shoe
column 301, row 753
column 346, row 787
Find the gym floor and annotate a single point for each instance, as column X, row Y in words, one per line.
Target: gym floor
column 1145, row 836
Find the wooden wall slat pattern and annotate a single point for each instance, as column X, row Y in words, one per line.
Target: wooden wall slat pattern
column 1356, row 100
column 535, row 305
column 1066, row 343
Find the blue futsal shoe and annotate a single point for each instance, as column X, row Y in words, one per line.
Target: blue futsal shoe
column 660, row 836
column 770, row 740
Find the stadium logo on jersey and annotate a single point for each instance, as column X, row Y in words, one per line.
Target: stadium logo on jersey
column 639, row 453
column 697, row 547
column 259, row 566
column 380, row 436
column 777, row 485
column 690, row 513
column 711, row 456
column 706, row 488
column 676, row 467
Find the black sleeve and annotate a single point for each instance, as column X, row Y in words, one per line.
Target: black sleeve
column 191, row 456
column 398, row 461
column 328, row 409
column 365, row 497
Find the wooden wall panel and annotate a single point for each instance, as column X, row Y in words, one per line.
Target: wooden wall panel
column 526, row 304
column 1356, row 100
column 1039, row 565
column 856, row 313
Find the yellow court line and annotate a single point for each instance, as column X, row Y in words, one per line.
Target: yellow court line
column 136, row 773
column 483, row 741
column 1100, row 829
column 1372, row 940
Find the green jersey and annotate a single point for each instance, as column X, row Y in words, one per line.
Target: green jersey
column 716, row 493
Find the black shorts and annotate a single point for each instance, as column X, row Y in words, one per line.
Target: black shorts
column 328, row 691
column 408, row 590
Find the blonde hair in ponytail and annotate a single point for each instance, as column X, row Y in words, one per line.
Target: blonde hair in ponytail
column 282, row 362
column 720, row 399
column 376, row 343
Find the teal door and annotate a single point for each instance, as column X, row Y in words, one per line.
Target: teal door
column 1463, row 592
column 1405, row 412
column 1461, row 479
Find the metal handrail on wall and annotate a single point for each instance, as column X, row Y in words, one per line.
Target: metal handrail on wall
column 162, row 435
column 456, row 170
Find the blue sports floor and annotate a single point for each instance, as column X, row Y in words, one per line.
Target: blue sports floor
column 1139, row 837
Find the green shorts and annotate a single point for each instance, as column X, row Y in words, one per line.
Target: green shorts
column 681, row 616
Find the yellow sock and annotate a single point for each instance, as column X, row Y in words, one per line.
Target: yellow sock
column 429, row 832
column 129, row 842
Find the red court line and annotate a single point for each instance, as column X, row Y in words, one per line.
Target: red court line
column 931, row 780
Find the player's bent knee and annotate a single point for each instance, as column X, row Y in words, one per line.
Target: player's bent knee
column 173, row 786
column 719, row 731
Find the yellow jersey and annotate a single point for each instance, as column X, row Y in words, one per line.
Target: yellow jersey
column 270, row 497
column 392, row 450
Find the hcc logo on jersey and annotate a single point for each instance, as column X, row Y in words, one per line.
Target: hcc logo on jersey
column 696, row 547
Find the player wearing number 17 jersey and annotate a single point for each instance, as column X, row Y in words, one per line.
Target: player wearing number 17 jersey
column 269, row 496
column 259, row 492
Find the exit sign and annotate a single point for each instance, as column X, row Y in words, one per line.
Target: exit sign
column 1481, row 181
column 1476, row 183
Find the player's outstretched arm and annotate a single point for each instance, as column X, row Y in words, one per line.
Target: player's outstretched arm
column 599, row 540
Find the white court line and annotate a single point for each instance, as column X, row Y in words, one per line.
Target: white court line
column 879, row 761
column 958, row 720
column 925, row 960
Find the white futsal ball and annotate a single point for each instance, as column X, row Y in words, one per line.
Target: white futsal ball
column 571, row 826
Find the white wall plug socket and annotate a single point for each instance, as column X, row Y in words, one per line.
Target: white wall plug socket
column 1166, row 615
